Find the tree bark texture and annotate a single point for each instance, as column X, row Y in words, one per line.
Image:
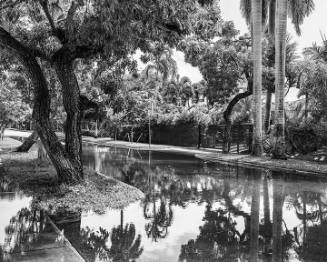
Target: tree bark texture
column 71, row 100
column 41, row 109
column 257, row 76
column 28, row 142
column 227, row 119
column 279, row 145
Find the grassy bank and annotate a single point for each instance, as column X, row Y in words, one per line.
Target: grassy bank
column 24, row 172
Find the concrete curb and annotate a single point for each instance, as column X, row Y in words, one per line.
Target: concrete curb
column 264, row 166
column 66, row 241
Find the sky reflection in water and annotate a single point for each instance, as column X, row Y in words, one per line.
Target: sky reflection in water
column 192, row 212
column 199, row 212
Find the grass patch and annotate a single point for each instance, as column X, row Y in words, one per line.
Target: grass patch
column 22, row 172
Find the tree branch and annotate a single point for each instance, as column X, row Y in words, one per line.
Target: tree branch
column 56, row 31
column 10, row 43
column 44, row 5
column 69, row 26
column 4, row 6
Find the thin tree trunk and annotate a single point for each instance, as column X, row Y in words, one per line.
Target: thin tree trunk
column 227, row 118
column 279, row 150
column 71, row 100
column 257, row 75
column 41, row 110
column 28, row 142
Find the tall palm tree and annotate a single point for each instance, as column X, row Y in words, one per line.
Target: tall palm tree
column 256, row 6
column 280, row 58
column 299, row 9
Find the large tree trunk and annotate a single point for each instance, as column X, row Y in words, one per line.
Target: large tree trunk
column 71, row 100
column 279, row 150
column 227, row 118
column 41, row 110
column 28, row 142
column 257, row 75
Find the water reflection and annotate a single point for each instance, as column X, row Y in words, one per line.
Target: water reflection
column 22, row 233
column 121, row 243
column 236, row 214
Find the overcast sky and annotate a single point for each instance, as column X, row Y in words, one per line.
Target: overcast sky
column 312, row 28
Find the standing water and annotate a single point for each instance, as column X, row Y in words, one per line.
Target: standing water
column 194, row 211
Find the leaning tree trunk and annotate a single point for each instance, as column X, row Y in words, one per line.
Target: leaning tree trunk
column 279, row 150
column 227, row 118
column 41, row 109
column 71, row 100
column 28, row 142
column 257, row 76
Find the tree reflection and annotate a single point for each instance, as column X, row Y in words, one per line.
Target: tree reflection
column 125, row 245
column 218, row 239
column 160, row 218
column 120, row 244
column 23, row 232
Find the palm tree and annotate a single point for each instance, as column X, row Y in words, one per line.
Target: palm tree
column 299, row 9
column 256, row 6
column 280, row 58
column 179, row 90
column 162, row 65
column 316, row 51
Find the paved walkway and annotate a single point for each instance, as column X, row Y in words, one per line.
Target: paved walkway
column 9, row 144
column 29, row 245
column 214, row 155
column 296, row 166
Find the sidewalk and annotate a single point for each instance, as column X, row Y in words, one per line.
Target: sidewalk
column 32, row 241
column 295, row 166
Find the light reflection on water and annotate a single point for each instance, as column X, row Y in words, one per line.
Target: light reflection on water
column 194, row 211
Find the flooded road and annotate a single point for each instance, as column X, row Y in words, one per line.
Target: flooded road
column 192, row 211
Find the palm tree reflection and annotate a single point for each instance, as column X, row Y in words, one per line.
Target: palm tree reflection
column 160, row 218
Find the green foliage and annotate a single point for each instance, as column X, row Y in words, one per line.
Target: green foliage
column 313, row 83
column 14, row 93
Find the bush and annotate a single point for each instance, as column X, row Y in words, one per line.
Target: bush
column 303, row 139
